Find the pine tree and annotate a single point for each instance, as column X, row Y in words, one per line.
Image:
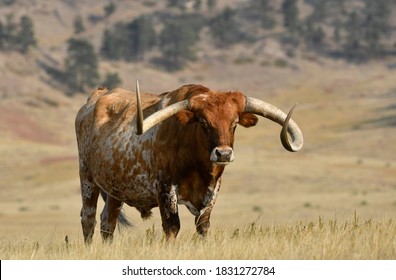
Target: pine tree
column 7, row 2
column 129, row 41
column 109, row 9
column 78, row 25
column 263, row 11
column 3, row 37
column 313, row 34
column 224, row 28
column 115, row 42
column 112, row 80
column 375, row 25
column 142, row 37
column 197, row 5
column 211, row 4
column 81, row 65
column 177, row 4
column 25, row 37
column 10, row 33
column 177, row 40
column 353, row 42
column 290, row 14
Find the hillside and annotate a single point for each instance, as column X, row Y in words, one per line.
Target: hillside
column 346, row 111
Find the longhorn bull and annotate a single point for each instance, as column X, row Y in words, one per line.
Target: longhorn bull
column 162, row 150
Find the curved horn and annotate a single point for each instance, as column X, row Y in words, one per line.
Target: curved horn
column 143, row 125
column 259, row 107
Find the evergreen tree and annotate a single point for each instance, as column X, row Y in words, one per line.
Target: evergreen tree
column 177, row 39
column 17, row 37
column 25, row 37
column 3, row 37
column 319, row 13
column 10, row 33
column 78, row 25
column 7, row 2
column 109, row 48
column 112, row 80
column 115, row 43
column 375, row 25
column 212, row 4
column 81, row 65
column 109, row 9
column 313, row 34
column 290, row 14
column 129, row 41
column 181, row 4
column 353, row 42
column 197, row 5
column 142, row 37
column 263, row 11
column 224, row 28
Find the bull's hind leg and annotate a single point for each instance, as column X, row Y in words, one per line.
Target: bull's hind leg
column 109, row 216
column 89, row 193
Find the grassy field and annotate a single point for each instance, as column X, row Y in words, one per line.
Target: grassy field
column 351, row 238
column 336, row 199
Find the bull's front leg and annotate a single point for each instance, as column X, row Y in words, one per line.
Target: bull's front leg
column 202, row 219
column 167, row 202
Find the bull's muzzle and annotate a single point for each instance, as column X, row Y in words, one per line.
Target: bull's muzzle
column 222, row 155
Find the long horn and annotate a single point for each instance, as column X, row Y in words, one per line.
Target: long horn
column 259, row 107
column 143, row 125
column 139, row 113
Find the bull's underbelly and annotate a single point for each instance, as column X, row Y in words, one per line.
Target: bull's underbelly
column 131, row 191
column 141, row 195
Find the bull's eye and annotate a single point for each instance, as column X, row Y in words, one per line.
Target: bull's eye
column 203, row 122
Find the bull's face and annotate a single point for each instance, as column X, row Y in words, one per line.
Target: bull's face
column 218, row 115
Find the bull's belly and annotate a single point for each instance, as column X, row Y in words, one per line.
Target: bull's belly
column 134, row 193
column 141, row 196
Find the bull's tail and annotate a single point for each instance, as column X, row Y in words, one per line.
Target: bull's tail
column 122, row 221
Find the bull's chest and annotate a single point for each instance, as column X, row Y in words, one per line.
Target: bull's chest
column 197, row 200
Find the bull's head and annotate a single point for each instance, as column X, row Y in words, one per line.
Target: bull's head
column 218, row 115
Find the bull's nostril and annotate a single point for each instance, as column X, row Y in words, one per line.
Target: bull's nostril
column 222, row 155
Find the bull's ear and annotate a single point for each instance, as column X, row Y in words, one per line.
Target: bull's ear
column 247, row 119
column 185, row 116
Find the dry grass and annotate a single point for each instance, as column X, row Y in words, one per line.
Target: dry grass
column 321, row 239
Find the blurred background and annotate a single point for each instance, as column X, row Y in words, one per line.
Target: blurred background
column 337, row 58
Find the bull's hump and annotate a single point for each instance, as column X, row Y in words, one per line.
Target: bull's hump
column 118, row 106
